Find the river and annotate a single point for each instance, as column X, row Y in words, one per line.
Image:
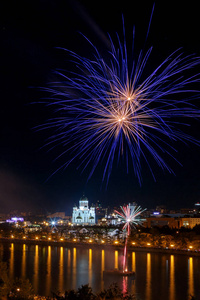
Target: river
column 53, row 268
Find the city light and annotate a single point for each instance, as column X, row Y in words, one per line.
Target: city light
column 148, row 244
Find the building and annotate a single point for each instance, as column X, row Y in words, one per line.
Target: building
column 190, row 222
column 177, row 221
column 83, row 214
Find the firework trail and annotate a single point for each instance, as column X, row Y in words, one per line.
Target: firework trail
column 129, row 216
column 108, row 109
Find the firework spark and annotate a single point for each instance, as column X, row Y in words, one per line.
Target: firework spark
column 106, row 112
column 129, row 216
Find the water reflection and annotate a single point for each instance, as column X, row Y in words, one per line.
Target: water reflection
column 90, row 267
column 36, row 268
column 68, row 262
column 116, row 259
column 74, row 269
column 134, row 270
column 124, row 284
column 190, row 278
column 11, row 264
column 23, row 273
column 102, row 268
column 133, row 261
column 148, row 277
column 48, row 276
column 58, row 268
column 172, row 279
column 60, row 277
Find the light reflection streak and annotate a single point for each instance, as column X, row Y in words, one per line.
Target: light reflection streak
column 11, row 265
column 116, row 259
column 133, row 270
column 23, row 273
column 36, row 267
column 74, row 269
column 172, row 279
column 60, row 278
column 125, row 284
column 148, row 277
column 48, row 277
column 68, row 261
column 133, row 261
column 190, row 278
column 90, row 267
column 102, row 268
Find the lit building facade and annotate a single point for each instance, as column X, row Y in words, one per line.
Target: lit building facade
column 83, row 214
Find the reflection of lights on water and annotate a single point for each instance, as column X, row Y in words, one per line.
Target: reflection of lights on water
column 61, row 266
column 125, row 285
column 24, row 262
column 172, row 279
column 48, row 277
column 74, row 269
column 11, row 268
column 90, row 267
column 116, row 259
column 190, row 277
column 148, row 277
column 102, row 268
column 36, row 267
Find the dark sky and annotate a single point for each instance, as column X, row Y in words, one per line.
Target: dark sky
column 30, row 33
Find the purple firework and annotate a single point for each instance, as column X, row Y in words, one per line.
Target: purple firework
column 105, row 111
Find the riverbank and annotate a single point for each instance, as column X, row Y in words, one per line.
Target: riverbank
column 70, row 244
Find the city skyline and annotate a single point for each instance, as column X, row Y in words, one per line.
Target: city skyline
column 29, row 59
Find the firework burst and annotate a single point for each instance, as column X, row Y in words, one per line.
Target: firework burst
column 130, row 216
column 106, row 112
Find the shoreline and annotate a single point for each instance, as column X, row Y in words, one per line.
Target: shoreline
column 101, row 246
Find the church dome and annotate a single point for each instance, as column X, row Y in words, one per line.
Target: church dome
column 83, row 198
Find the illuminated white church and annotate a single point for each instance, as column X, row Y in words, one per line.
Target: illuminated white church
column 83, row 214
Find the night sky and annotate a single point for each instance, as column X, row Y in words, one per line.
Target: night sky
column 31, row 31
